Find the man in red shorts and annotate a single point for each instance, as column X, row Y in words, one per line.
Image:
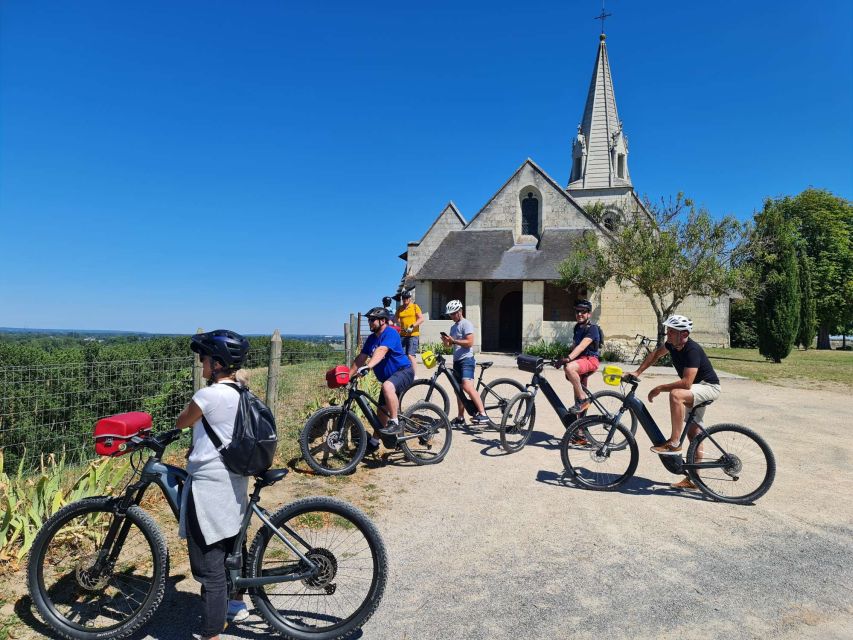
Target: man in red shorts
column 583, row 358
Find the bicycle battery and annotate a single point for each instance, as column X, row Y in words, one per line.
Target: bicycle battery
column 113, row 433
column 528, row 363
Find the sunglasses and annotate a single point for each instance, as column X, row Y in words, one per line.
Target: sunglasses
column 582, row 311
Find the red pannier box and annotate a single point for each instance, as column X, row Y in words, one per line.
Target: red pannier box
column 113, row 432
column 337, row 377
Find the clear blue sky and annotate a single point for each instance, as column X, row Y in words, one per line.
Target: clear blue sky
column 170, row 165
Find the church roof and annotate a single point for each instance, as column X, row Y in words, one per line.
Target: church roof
column 493, row 255
column 600, row 132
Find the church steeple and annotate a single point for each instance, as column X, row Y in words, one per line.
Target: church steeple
column 600, row 149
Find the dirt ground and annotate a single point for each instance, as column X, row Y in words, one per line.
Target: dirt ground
column 491, row 546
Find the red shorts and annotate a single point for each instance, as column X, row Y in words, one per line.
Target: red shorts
column 587, row 365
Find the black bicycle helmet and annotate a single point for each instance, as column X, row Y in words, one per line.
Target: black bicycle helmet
column 378, row 312
column 386, row 301
column 584, row 305
column 227, row 347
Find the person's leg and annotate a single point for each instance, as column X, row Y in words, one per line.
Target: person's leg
column 678, row 399
column 573, row 376
column 207, row 563
column 391, row 401
column 468, row 387
column 457, row 373
column 412, row 351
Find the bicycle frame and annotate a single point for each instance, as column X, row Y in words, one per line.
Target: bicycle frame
column 171, row 480
column 364, row 402
column 454, row 383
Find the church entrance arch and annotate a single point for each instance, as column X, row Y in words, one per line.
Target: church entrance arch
column 509, row 318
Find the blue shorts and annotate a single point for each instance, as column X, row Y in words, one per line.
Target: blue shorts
column 402, row 379
column 410, row 345
column 464, row 369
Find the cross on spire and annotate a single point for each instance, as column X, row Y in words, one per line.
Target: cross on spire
column 602, row 16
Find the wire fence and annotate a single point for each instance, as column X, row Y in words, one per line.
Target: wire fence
column 53, row 408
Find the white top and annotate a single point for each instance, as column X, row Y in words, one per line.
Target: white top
column 218, row 403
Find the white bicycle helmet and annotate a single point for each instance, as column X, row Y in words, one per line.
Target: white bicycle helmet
column 679, row 323
column 453, row 306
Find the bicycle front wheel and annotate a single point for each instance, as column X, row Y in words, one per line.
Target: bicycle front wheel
column 329, row 449
column 352, row 565
column 591, row 462
column 744, row 463
column 426, row 433
column 86, row 588
column 424, row 391
column 607, row 404
column 517, row 422
column 496, row 396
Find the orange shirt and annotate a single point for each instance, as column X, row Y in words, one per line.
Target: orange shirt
column 407, row 317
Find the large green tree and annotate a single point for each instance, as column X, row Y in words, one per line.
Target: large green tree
column 777, row 306
column 808, row 305
column 824, row 223
column 676, row 251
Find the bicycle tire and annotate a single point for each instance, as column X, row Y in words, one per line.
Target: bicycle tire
column 495, row 397
column 63, row 545
column 517, row 422
column 322, row 449
column 434, row 434
column 712, row 481
column 611, row 408
column 330, row 527
column 591, row 466
column 419, row 392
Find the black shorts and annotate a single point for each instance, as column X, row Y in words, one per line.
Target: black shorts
column 402, row 379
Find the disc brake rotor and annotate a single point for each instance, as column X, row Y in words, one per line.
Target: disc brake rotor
column 327, row 566
column 86, row 577
column 334, row 441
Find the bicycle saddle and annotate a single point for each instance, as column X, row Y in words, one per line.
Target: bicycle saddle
column 485, row 365
column 272, row 476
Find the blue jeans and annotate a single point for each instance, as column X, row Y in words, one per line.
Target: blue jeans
column 464, row 369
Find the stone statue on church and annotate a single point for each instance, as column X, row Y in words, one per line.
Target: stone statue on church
column 579, row 143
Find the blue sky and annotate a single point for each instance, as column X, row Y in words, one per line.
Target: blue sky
column 170, row 165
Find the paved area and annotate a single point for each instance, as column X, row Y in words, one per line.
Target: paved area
column 492, row 546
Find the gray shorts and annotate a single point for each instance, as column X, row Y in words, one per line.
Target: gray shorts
column 410, row 345
column 703, row 392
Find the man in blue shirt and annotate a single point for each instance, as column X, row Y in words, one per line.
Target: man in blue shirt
column 383, row 354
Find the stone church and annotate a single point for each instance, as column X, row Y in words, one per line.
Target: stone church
column 502, row 264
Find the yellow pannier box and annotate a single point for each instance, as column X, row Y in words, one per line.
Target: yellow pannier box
column 612, row 375
column 429, row 359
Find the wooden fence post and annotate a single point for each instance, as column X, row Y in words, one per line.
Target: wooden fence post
column 347, row 344
column 272, row 371
column 197, row 368
column 353, row 334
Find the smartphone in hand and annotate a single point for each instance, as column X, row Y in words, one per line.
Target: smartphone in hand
column 443, row 335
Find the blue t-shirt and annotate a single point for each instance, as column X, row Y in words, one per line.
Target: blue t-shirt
column 394, row 360
column 587, row 331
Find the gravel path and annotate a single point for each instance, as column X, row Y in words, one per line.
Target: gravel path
column 492, row 546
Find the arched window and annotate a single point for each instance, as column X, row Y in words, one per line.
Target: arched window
column 530, row 215
column 609, row 222
column 620, row 167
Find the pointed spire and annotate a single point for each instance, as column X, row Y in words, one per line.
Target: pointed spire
column 600, row 149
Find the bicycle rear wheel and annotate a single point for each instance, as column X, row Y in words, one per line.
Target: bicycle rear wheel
column 593, row 464
column 424, row 391
column 326, row 449
column 432, row 430
column 87, row 591
column 747, row 465
column 517, row 422
column 496, row 396
column 353, row 568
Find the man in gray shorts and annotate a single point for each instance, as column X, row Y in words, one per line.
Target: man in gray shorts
column 698, row 383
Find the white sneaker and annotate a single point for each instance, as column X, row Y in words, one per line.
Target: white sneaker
column 237, row 611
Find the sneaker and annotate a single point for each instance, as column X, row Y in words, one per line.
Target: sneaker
column 457, row 423
column 579, row 406
column 480, row 419
column 578, row 440
column 237, row 611
column 392, row 428
column 372, row 447
column 667, row 449
column 684, row 484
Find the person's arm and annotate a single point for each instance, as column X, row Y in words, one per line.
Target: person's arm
column 649, row 360
column 359, row 361
column 685, row 382
column 377, row 356
column 189, row 416
column 579, row 349
column 467, row 341
column 419, row 317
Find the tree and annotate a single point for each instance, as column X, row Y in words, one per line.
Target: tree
column 778, row 303
column 824, row 223
column 675, row 251
column 808, row 316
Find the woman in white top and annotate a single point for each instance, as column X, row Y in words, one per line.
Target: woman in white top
column 214, row 500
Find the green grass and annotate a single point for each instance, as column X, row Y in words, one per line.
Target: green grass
column 804, row 367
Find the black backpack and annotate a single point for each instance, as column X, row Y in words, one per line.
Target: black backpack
column 252, row 446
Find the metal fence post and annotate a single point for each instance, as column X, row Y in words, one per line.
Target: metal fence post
column 272, row 371
column 197, row 381
column 347, row 344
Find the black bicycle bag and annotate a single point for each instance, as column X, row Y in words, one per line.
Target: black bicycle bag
column 528, row 363
column 254, row 440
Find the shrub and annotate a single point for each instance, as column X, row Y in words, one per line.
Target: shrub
column 435, row 347
column 614, row 353
column 548, row 349
column 742, row 322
